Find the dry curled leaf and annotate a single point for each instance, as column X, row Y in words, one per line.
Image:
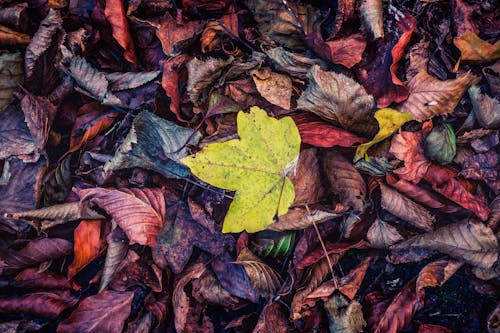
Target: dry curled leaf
column 115, row 14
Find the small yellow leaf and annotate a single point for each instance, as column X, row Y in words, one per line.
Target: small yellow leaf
column 389, row 121
column 475, row 49
column 255, row 166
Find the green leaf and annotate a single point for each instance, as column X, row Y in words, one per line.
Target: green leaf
column 441, row 144
column 254, row 166
column 389, row 121
column 155, row 144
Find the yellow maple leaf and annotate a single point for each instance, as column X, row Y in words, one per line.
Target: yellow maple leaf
column 389, row 120
column 255, row 166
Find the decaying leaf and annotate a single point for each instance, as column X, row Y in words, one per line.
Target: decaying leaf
column 475, row 49
column 274, row 87
column 39, row 114
column 202, row 75
column 173, row 34
column 338, row 99
column 43, row 304
column 382, row 235
column 436, row 274
column 115, row 253
column 11, row 76
column 472, row 242
column 139, row 213
column 308, row 185
column 301, row 218
column 13, row 38
column 372, row 17
column 155, row 144
column 295, row 64
column 344, row 315
column 485, row 108
column 255, row 166
column 15, row 138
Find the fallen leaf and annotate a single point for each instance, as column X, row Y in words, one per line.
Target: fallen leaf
column 435, row 274
column 475, row 49
column 333, row 248
column 207, row 289
column 201, row 75
column 440, row 145
column 134, row 272
column 389, row 121
column 35, row 252
column 87, row 246
column 39, row 114
column 15, row 138
column 300, row 218
column 115, row 14
column 13, row 38
column 33, row 278
column 402, row 207
column 494, row 320
column 484, row 108
column 272, row 320
column 338, row 99
column 317, row 132
column 155, row 144
column 295, row 64
column 139, row 212
column 116, row 252
column 346, row 51
column 11, row 76
column 180, row 298
column 431, row 97
column 191, row 227
column 277, row 21
column 252, row 168
column 172, row 34
column 274, row 87
column 104, row 312
column 41, row 304
column 308, row 185
column 264, row 278
column 471, row 242
column 170, row 82
column 345, row 180
column 382, row 235
column 344, row 315
column 430, row 328
column 15, row 15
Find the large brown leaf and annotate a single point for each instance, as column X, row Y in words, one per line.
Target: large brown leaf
column 431, row 97
column 472, row 242
column 104, row 312
column 42, row 304
column 139, row 212
column 340, row 100
column 115, row 14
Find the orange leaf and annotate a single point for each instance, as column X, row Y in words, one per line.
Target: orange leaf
column 475, row 49
column 88, row 244
column 115, row 14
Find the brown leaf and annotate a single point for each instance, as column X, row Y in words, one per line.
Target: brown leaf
column 435, row 274
column 295, row 64
column 382, row 235
column 485, row 166
column 494, row 320
column 340, row 100
column 170, row 82
column 207, row 289
column 134, row 272
column 139, row 212
column 15, row 138
column 35, row 252
column 494, row 218
column 346, row 51
column 272, row 320
column 173, row 34
column 485, row 108
column 345, row 180
column 307, row 183
column 301, row 218
column 15, row 15
column 62, row 213
column 116, row 252
column 202, row 75
column 180, row 298
column 471, row 242
column 407, row 146
column 475, row 49
column 40, row 304
column 115, row 14
column 87, row 245
column 191, row 227
column 344, row 315
column 33, row 278
column 104, row 312
column 333, row 248
column 372, row 17
column 319, row 133
column 430, row 328
column 264, row 278
column 11, row 76
column 431, row 97
column 402, row 207
column 274, row 87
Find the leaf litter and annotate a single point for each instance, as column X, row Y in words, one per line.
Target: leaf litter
column 249, row 166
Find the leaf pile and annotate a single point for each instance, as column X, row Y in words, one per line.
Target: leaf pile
column 249, row 166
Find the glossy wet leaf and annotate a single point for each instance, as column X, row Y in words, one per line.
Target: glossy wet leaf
column 254, row 166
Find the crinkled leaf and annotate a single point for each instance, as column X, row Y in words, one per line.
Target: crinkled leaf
column 471, row 242
column 475, row 49
column 15, row 138
column 255, row 167
column 104, row 312
column 440, row 145
column 11, row 37
column 39, row 113
column 338, row 99
column 436, row 274
column 155, row 144
column 277, row 21
column 139, row 212
column 307, row 182
column 129, row 80
column 202, row 74
column 372, row 17
column 295, row 64
column 344, row 315
column 301, row 218
column 116, row 251
column 11, row 76
column 346, row 51
column 389, row 121
column 173, row 34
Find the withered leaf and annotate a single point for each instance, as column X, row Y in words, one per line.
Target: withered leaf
column 139, row 212
column 39, row 113
column 436, row 274
column 276, row 88
column 104, row 312
column 116, row 251
column 115, row 14
column 87, row 245
column 15, row 138
column 372, row 17
column 43, row 304
column 13, row 38
column 272, row 319
column 172, row 34
column 472, row 242
column 191, row 227
column 382, row 235
column 201, row 75
column 344, row 315
column 485, row 108
column 295, row 64
column 11, row 76
column 338, row 99
column 301, row 218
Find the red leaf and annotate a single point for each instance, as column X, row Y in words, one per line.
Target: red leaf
column 104, row 312
column 170, row 82
column 41, row 304
column 115, row 14
column 345, row 51
column 319, row 133
column 335, row 248
column 430, row 328
column 88, row 244
column 33, row 278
